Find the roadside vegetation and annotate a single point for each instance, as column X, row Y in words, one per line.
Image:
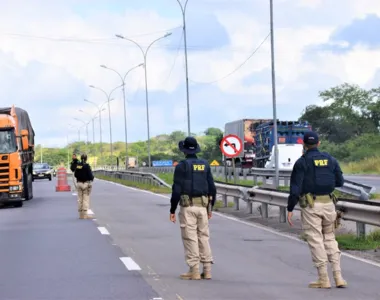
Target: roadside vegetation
column 352, row 242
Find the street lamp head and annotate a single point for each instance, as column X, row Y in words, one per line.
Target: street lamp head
column 119, row 36
column 140, row 65
column 168, row 34
column 91, row 86
column 103, row 66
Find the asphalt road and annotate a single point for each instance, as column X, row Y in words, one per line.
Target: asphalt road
column 370, row 180
column 251, row 262
column 47, row 253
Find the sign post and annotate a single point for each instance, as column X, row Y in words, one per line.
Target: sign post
column 231, row 146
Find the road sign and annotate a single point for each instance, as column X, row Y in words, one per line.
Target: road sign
column 162, row 163
column 214, row 163
column 231, row 145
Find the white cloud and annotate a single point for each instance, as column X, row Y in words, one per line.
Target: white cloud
column 49, row 55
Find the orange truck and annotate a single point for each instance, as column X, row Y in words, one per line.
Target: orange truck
column 16, row 156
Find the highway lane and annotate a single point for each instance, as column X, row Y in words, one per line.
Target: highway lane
column 371, row 180
column 47, row 253
column 250, row 262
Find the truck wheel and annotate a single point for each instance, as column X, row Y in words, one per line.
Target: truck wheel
column 28, row 186
column 18, row 204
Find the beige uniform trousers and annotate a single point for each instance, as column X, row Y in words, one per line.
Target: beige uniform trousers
column 195, row 234
column 84, row 192
column 318, row 226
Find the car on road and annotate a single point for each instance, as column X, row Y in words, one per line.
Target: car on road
column 42, row 171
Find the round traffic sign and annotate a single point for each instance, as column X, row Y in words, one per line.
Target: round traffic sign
column 231, row 145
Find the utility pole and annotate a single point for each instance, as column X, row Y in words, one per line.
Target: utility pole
column 276, row 183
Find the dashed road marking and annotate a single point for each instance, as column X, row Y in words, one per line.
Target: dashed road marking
column 288, row 236
column 130, row 264
column 103, row 230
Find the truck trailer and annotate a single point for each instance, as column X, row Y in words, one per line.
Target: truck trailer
column 245, row 129
column 16, row 156
column 288, row 132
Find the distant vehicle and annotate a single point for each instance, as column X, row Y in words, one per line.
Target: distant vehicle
column 287, row 156
column 288, row 132
column 245, row 129
column 16, row 156
column 42, row 171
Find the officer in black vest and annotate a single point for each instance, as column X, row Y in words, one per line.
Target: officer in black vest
column 313, row 180
column 194, row 190
column 84, row 176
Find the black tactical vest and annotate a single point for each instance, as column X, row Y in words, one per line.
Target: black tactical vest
column 320, row 176
column 195, row 182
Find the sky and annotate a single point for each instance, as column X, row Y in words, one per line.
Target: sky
column 51, row 52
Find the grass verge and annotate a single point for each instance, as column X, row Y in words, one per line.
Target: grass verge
column 142, row 186
column 352, row 242
column 370, row 165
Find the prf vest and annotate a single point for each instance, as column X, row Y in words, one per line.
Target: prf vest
column 195, row 182
column 320, row 176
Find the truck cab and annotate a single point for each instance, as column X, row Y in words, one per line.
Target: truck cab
column 16, row 156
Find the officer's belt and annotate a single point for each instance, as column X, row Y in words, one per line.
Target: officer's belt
column 322, row 198
column 197, row 201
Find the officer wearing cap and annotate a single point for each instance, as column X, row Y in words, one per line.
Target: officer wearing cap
column 84, row 177
column 313, row 180
column 194, row 190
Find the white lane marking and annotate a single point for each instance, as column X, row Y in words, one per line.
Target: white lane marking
column 90, row 212
column 103, row 230
column 130, row 263
column 375, row 264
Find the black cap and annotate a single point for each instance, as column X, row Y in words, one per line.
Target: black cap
column 310, row 138
column 189, row 145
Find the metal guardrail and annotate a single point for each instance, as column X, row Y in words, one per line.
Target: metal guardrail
column 139, row 177
column 355, row 189
column 367, row 212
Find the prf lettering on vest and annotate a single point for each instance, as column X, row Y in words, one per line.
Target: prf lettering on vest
column 198, row 167
column 321, row 162
column 79, row 167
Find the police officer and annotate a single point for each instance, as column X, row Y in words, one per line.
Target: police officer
column 313, row 180
column 194, row 189
column 84, row 177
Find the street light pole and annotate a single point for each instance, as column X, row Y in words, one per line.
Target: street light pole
column 109, row 110
column 183, row 9
column 125, row 109
column 100, row 109
column 86, row 124
column 93, row 124
column 146, row 82
column 276, row 183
